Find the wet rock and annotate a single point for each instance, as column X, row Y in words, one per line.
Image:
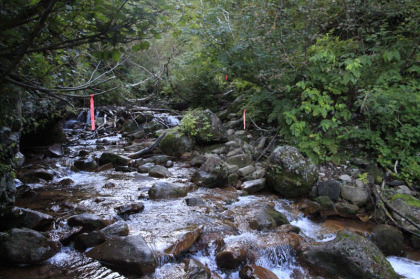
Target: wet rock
column 289, row 173
column 18, row 160
column 253, row 186
column 195, row 202
column 329, row 188
column 105, row 167
column 355, row 195
column 88, row 164
column 169, row 164
column 125, row 169
column 26, row 246
column 256, row 272
column 18, row 217
column 88, row 221
column 345, row 209
column 160, row 159
column 175, row 143
column 97, row 237
column 184, row 242
column 7, row 191
column 70, row 235
column 109, row 185
column 114, row 159
column 232, row 256
column 389, row 239
column 129, row 253
column 146, row 167
column 33, row 176
column 213, row 173
column 65, row 182
column 160, row 172
column 129, row 208
column 55, row 151
column 196, row 270
column 245, row 171
column 349, row 255
column 266, row 217
column 241, row 160
column 166, row 190
column 309, row 207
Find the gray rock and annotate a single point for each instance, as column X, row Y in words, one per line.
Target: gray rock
column 18, row 160
column 231, row 257
column 7, row 191
column 88, row 164
column 253, row 186
column 195, row 202
column 175, row 143
column 266, row 217
column 355, row 195
column 213, row 173
column 402, row 189
column 234, row 152
column 94, row 238
column 208, row 127
column 19, row 217
column 346, row 178
column 349, row 255
column 329, row 188
column 125, row 169
column 88, row 221
column 129, row 253
column 159, row 172
column 389, row 239
column 114, row 159
column 245, row 171
column 166, row 190
column 241, row 160
column 146, row 167
column 25, row 246
column 346, row 209
column 359, row 183
column 55, row 151
column 33, row 176
column 259, row 173
column 197, row 161
column 130, row 208
column 289, row 173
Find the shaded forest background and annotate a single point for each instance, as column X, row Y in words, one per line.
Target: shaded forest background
column 335, row 78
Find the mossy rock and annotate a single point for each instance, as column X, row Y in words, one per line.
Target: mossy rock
column 325, row 202
column 175, row 143
column 289, row 173
column 408, row 199
column 114, row 159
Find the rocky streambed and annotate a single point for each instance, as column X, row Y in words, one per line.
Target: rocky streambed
column 198, row 205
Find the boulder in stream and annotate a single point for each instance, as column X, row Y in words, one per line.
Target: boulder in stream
column 255, row 185
column 97, row 237
column 87, row 164
column 289, row 173
column 175, row 143
column 184, row 242
column 166, row 190
column 88, row 221
column 129, row 253
column 26, row 246
column 159, row 172
column 213, row 173
column 389, row 239
column 232, row 256
column 18, row 217
column 256, row 271
column 114, row 159
column 266, row 217
column 129, row 208
column 349, row 255
column 196, row 270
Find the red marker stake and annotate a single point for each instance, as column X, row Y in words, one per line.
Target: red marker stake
column 92, row 113
column 244, row 117
column 226, row 77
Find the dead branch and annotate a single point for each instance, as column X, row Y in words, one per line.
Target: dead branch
column 268, row 146
column 147, row 150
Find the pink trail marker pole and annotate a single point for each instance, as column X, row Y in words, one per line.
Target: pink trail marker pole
column 92, row 113
column 244, row 117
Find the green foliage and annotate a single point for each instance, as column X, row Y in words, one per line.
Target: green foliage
column 188, row 125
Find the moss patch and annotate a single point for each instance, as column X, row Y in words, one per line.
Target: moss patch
column 410, row 200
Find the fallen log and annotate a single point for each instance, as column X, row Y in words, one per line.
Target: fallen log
column 147, row 150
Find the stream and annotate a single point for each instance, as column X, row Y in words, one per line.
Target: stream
column 163, row 222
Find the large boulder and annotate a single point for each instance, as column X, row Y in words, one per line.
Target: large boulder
column 26, row 246
column 18, row 217
column 129, row 253
column 349, row 255
column 204, row 126
column 184, row 243
column 166, row 190
column 175, row 143
column 159, row 172
column 289, row 173
column 240, row 160
column 213, row 173
column 86, row 164
column 232, row 256
column 196, row 270
column 389, row 239
column 256, row 272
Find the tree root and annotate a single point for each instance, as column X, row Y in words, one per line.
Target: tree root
column 147, row 150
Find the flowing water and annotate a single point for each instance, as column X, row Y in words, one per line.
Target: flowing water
column 163, row 222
